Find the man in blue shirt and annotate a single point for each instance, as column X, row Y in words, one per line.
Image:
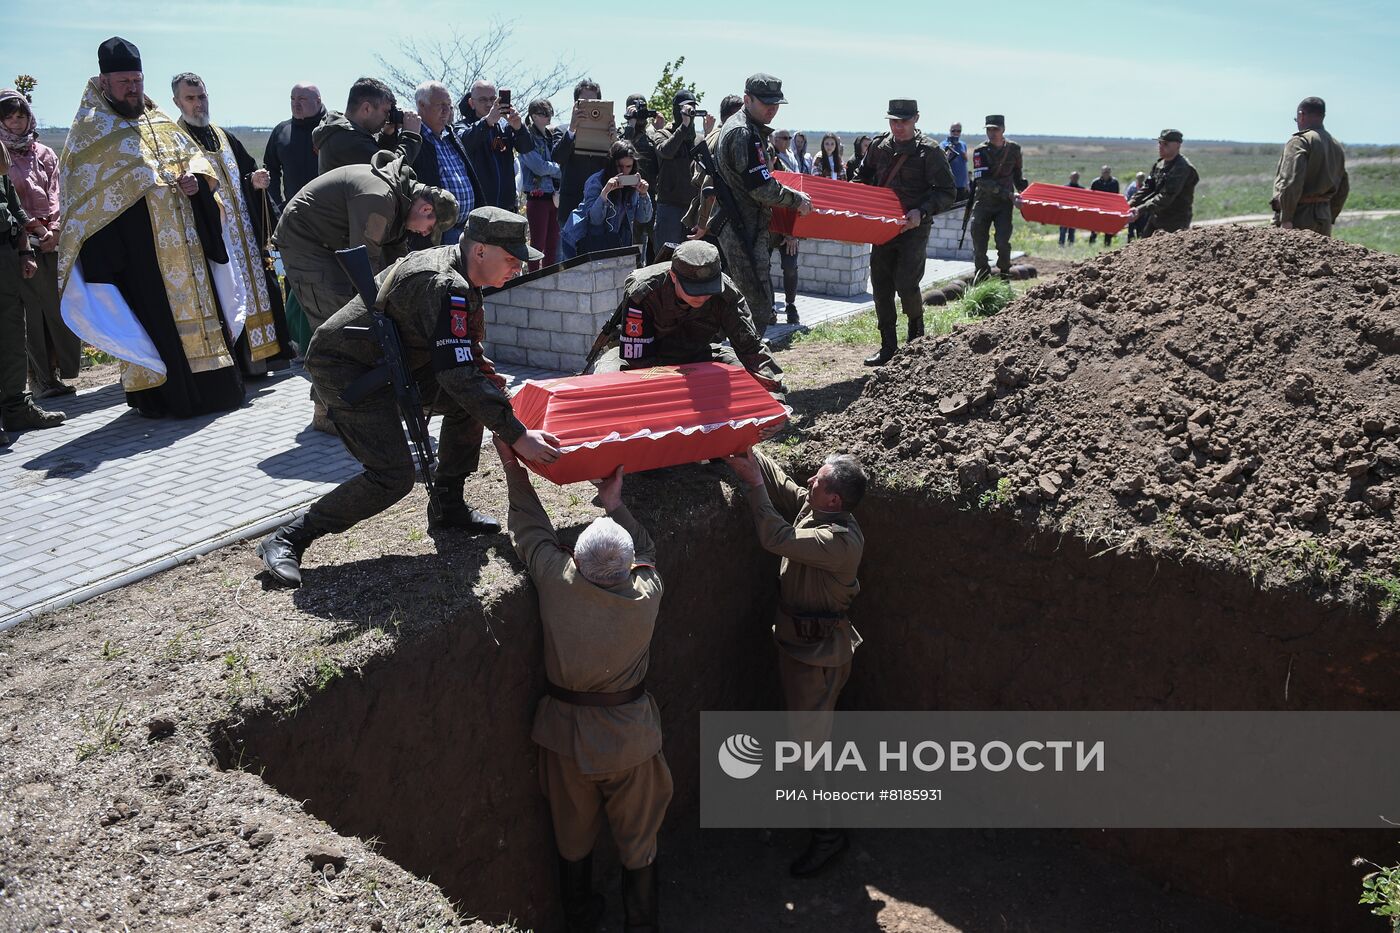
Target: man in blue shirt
column 492, row 134
column 955, row 150
column 443, row 162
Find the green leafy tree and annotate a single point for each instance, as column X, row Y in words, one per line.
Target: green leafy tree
column 670, row 84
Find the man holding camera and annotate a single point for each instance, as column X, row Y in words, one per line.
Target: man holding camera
column 675, row 177
column 955, row 151
column 914, row 167
column 644, row 138
column 492, row 134
column 371, row 122
column 434, row 299
column 741, row 156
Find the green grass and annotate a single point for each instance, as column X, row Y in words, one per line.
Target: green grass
column 982, row 300
column 1382, row 234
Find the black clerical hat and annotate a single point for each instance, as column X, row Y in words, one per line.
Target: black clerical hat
column 116, row 54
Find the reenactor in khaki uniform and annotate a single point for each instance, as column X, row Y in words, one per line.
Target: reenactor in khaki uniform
column 820, row 544
column 677, row 312
column 997, row 181
column 916, row 169
column 1168, row 195
column 597, row 727
column 1311, row 184
column 434, row 299
column 742, row 157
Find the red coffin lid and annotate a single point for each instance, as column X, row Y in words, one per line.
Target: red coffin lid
column 841, row 210
column 1081, row 208
column 645, row 419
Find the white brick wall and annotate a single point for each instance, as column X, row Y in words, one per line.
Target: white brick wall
column 827, row 267
column 551, row 323
column 943, row 238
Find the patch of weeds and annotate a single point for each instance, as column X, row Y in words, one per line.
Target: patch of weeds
column 95, row 357
column 1171, row 527
column 998, row 497
column 104, row 734
column 1390, row 593
column 111, row 652
column 239, row 682
column 859, row 329
column 179, row 646
column 324, row 671
column 1380, row 890
column 1314, row 562
column 416, row 534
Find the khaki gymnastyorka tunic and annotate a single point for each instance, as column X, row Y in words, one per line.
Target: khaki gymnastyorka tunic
column 595, row 759
column 1311, row 183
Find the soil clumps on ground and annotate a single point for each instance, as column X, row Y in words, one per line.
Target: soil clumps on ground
column 1225, row 394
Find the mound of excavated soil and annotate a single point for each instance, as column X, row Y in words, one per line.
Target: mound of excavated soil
column 1226, row 393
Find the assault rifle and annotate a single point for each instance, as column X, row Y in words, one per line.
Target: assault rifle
column 604, row 337
column 967, row 211
column 706, row 160
column 392, row 369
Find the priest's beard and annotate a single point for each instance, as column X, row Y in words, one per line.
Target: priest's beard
column 130, row 111
column 200, row 120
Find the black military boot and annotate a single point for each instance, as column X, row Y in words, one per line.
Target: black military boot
column 5, row 439
column 826, row 844
column 455, row 513
column 583, row 906
column 792, row 317
column 639, row 896
column 21, row 413
column 281, row 551
column 888, row 343
column 916, row 328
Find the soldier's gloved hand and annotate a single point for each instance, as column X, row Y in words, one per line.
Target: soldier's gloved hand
column 538, row 447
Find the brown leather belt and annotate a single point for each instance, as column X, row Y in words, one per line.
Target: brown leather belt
column 1315, row 199
column 620, row 698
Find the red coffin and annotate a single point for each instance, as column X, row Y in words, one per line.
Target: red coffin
column 646, row 418
column 841, row 210
column 1080, row 208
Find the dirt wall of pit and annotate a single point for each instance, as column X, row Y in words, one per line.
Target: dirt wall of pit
column 1036, row 621
column 429, row 752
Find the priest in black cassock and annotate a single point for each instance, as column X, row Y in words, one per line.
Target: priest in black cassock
column 143, row 267
column 249, row 215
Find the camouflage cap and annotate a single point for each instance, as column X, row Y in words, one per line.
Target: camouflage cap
column 995, row 119
column 1169, row 136
column 445, row 208
column 903, row 109
column 697, row 268
column 496, row 226
column 766, row 88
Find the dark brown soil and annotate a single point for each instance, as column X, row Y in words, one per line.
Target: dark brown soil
column 1227, row 394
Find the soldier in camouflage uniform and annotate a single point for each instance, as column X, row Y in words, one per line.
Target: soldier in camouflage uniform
column 741, row 155
column 434, row 298
column 997, row 183
column 1311, row 184
column 1166, row 198
column 676, row 312
column 915, row 168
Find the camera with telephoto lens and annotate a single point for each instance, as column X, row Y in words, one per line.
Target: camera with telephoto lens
column 640, row 112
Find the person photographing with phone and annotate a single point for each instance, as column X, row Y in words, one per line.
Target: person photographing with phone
column 492, row 133
column 614, row 199
column 638, row 130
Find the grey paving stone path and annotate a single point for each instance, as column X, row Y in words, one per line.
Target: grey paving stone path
column 111, row 497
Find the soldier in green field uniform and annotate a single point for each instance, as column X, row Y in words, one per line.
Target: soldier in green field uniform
column 741, row 155
column 1311, row 184
column 1169, row 193
column 997, row 182
column 915, row 168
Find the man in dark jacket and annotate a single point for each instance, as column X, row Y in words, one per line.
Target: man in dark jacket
column 491, row 134
column 290, row 157
column 350, row 138
column 675, row 177
column 915, row 168
column 442, row 162
column 1105, row 182
column 1167, row 198
column 575, row 168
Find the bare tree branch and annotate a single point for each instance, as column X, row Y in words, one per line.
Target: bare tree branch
column 459, row 58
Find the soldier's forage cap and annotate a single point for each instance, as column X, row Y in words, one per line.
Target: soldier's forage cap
column 116, row 54
column 445, row 208
column 903, row 109
column 697, row 269
column 766, row 88
column 1169, row 136
column 496, row 226
column 995, row 119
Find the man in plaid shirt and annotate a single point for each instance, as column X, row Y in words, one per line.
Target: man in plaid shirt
column 442, row 162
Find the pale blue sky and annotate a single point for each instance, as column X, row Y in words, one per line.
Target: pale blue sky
column 1216, row 70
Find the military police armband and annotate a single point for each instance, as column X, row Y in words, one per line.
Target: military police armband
column 636, row 336
column 979, row 163
column 452, row 338
column 758, row 174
